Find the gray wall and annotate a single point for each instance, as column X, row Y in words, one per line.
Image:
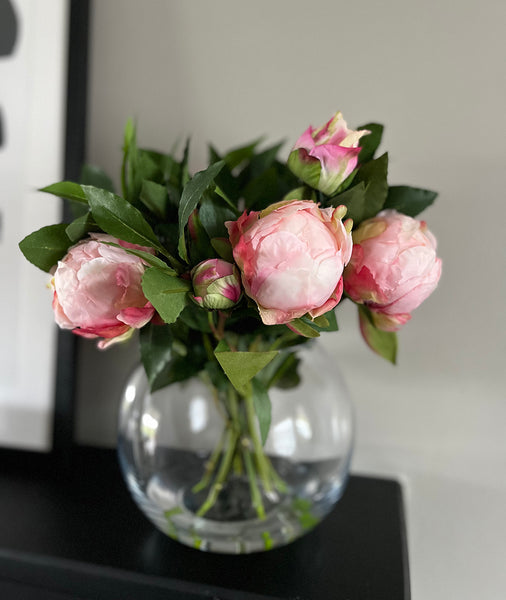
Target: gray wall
column 433, row 72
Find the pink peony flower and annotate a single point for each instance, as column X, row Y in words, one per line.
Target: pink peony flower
column 291, row 258
column 216, row 283
column 393, row 267
column 98, row 292
column 323, row 158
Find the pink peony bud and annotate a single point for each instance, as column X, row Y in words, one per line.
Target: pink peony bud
column 323, row 158
column 216, row 284
column 98, row 292
column 291, row 257
column 393, row 268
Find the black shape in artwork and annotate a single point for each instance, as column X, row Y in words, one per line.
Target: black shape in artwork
column 8, row 35
column 8, row 28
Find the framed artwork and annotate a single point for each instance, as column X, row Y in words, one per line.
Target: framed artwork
column 41, row 141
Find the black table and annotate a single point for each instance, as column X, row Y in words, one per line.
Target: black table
column 76, row 534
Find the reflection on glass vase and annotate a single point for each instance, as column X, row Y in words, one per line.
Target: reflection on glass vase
column 194, row 462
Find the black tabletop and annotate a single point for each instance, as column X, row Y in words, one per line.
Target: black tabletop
column 76, row 533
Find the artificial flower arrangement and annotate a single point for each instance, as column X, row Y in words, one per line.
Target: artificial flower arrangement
column 227, row 272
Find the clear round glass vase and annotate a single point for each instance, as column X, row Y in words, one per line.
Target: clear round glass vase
column 176, row 457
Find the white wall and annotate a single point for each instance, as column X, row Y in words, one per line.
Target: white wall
column 433, row 73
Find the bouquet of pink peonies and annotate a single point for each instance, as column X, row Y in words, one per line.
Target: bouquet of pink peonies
column 226, row 272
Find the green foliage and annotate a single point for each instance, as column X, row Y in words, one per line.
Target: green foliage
column 409, row 200
column 354, row 200
column 374, row 177
column 147, row 257
column 196, row 318
column 168, row 294
column 383, row 343
column 213, row 216
column 68, row 190
column 155, row 197
column 169, row 355
column 191, row 196
column 263, row 409
column 326, row 322
column 95, row 176
column 120, row 219
column 304, row 328
column 241, row 367
column 281, row 372
column 81, row 227
column 369, row 143
column 45, row 247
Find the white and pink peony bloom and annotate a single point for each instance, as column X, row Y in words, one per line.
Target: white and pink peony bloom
column 393, row 268
column 291, row 258
column 98, row 291
column 323, row 158
column 216, row 284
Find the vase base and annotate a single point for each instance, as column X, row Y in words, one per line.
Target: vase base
column 231, row 525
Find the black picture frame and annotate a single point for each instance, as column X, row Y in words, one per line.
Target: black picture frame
column 62, row 437
column 75, row 150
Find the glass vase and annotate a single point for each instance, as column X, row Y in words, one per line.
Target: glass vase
column 194, row 462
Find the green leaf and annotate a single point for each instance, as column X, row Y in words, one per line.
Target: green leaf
column 263, row 409
column 66, row 189
column 185, row 174
column 91, row 175
column 235, row 157
column 156, row 351
column 301, row 193
column 165, row 359
column 409, row 200
column 219, row 192
column 241, row 367
column 191, row 196
column 196, row 318
column 223, row 248
column 262, row 190
column 282, row 371
column 303, row 328
column 168, row 294
column 80, row 227
column 326, row 322
column 264, row 160
column 45, row 247
column 154, row 196
column 147, row 257
column 369, row 143
column 129, row 165
column 383, row 343
column 374, row 175
column 213, row 217
column 120, row 219
column 354, row 200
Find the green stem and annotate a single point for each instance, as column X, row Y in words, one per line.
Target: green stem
column 223, row 471
column 211, row 464
column 278, row 482
column 208, row 346
column 210, row 318
column 260, row 458
column 256, row 497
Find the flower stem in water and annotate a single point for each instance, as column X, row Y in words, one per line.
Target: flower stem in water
column 226, row 462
